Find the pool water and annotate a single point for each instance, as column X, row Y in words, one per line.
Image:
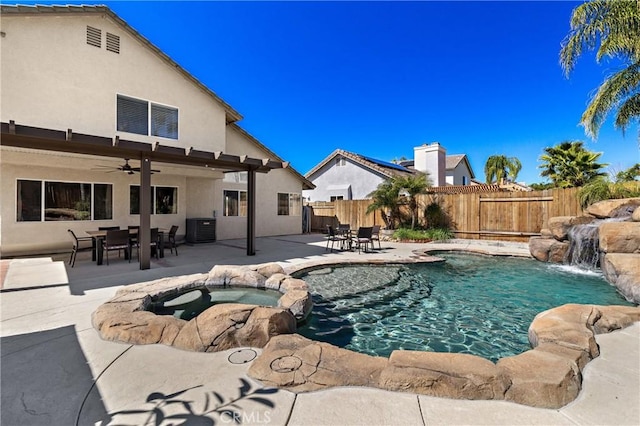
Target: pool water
column 191, row 303
column 469, row 304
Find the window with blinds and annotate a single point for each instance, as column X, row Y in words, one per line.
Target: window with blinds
column 133, row 115
column 164, row 121
column 146, row 118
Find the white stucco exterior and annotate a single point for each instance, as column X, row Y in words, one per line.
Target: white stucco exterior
column 51, row 78
column 431, row 159
column 460, row 175
column 350, row 180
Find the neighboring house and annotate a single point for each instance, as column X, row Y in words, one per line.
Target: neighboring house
column 345, row 175
column 457, row 169
column 83, row 73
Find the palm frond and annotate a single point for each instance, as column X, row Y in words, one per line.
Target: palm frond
column 610, row 94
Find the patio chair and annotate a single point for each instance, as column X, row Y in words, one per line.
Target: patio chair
column 332, row 236
column 117, row 240
column 375, row 236
column 133, row 236
column 171, row 238
column 363, row 237
column 79, row 244
column 155, row 242
column 109, row 228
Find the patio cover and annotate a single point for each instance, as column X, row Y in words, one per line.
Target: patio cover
column 37, row 138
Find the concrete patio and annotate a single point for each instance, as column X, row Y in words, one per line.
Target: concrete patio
column 55, row 369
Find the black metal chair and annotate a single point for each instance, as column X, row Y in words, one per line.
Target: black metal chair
column 79, row 244
column 155, row 242
column 171, row 238
column 363, row 237
column 332, row 236
column 133, row 236
column 375, row 236
column 117, row 240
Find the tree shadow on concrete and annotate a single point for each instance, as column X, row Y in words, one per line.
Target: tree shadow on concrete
column 182, row 408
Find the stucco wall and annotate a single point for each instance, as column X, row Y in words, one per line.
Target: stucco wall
column 454, row 177
column 50, row 77
column 24, row 237
column 268, row 185
column 362, row 181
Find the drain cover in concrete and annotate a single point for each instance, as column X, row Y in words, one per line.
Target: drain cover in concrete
column 242, row 356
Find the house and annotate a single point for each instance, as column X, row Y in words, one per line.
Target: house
column 345, row 175
column 100, row 127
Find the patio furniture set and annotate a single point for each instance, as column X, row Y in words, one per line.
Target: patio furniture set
column 349, row 241
column 111, row 238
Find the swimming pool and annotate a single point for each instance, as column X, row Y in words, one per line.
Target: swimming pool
column 470, row 304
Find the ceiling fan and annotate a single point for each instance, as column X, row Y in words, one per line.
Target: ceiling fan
column 126, row 167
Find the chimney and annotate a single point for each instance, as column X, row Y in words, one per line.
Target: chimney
column 431, row 159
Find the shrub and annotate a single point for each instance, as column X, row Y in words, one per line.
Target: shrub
column 435, row 216
column 435, row 234
column 603, row 189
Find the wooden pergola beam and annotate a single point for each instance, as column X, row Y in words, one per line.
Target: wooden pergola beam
column 67, row 141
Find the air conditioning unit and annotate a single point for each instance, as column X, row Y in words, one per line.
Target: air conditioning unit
column 201, row 230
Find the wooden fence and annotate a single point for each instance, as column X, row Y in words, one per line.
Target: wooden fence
column 513, row 216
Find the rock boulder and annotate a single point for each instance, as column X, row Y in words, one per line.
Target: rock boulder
column 445, row 375
column 541, row 379
column 610, row 208
column 296, row 363
column 619, row 237
column 623, row 270
column 548, row 249
column 231, row 325
column 559, row 226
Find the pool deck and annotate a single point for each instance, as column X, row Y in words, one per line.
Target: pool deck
column 55, row 369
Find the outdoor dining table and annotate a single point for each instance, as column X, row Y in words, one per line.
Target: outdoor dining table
column 98, row 253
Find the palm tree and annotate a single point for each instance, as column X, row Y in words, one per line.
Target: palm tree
column 412, row 185
column 615, row 25
column 386, row 198
column 569, row 164
column 501, row 167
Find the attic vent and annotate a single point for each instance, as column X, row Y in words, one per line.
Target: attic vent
column 113, row 43
column 94, row 36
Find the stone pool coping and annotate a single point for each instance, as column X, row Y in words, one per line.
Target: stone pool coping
column 547, row 376
column 127, row 317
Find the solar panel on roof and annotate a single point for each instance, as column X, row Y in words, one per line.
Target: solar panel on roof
column 386, row 164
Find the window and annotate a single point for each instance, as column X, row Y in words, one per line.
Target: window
column 464, row 180
column 289, row 204
column 29, row 206
column 336, row 197
column 138, row 116
column 63, row 201
column 234, row 203
column 235, row 177
column 164, row 199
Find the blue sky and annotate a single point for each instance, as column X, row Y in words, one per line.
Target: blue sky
column 378, row 78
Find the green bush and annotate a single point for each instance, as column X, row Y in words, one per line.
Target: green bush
column 435, row 216
column 603, row 189
column 434, row 234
